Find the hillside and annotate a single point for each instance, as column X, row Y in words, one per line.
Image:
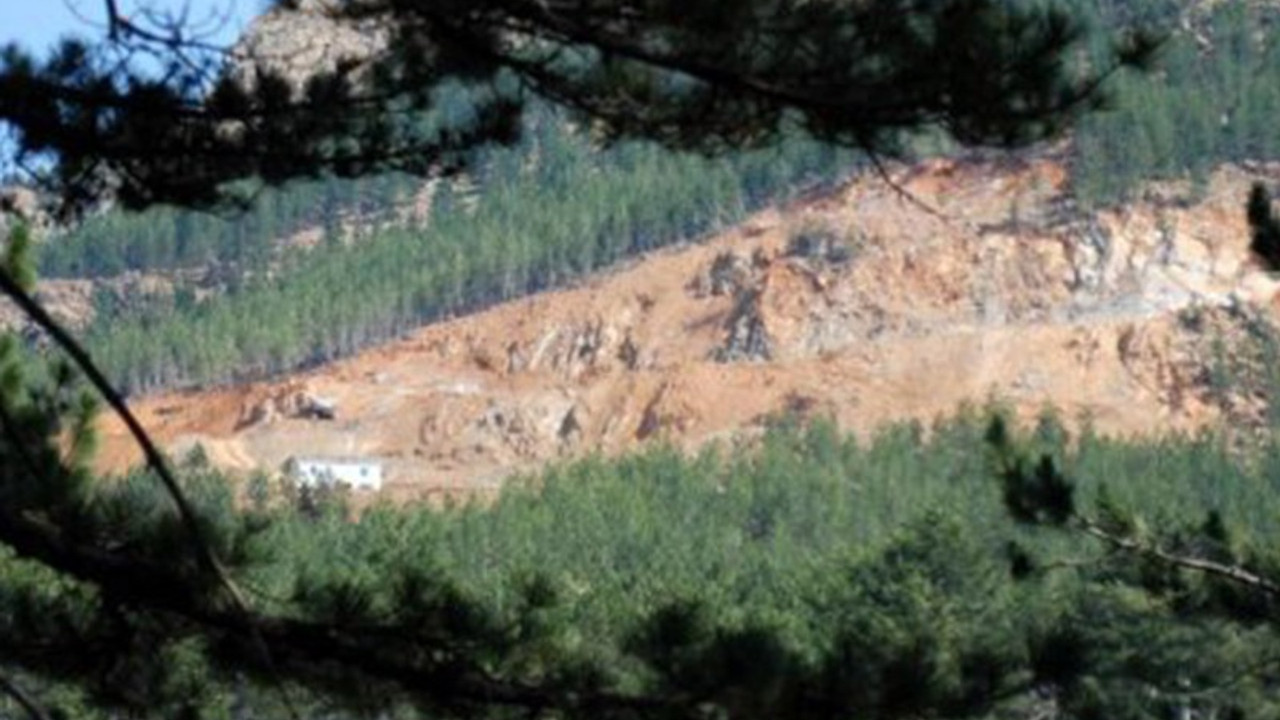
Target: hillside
column 319, row 271
column 595, row 429
column 858, row 305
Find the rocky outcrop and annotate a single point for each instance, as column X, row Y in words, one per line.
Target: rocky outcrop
column 70, row 302
column 302, row 41
column 21, row 204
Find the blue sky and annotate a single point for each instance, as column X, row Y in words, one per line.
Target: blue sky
column 37, row 24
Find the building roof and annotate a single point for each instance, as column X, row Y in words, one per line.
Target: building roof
column 334, row 460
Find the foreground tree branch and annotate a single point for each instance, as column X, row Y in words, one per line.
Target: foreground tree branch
column 698, row 75
column 154, row 458
column 1232, row 573
column 1038, row 493
column 28, row 704
column 424, row 663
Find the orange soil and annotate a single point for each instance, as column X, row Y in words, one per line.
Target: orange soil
column 995, row 291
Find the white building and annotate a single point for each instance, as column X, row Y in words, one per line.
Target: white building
column 358, row 473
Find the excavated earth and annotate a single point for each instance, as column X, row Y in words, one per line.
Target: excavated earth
column 866, row 305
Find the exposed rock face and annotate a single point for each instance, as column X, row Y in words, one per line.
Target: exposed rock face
column 1137, row 317
column 70, row 302
column 292, row 400
column 22, row 204
column 300, row 42
column 747, row 337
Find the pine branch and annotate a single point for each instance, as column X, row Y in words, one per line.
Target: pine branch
column 12, row 429
column 818, row 64
column 436, row 669
column 1232, row 573
column 882, row 171
column 20, row 696
column 114, row 21
column 154, row 458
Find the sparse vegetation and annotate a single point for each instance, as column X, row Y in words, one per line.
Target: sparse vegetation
column 818, row 241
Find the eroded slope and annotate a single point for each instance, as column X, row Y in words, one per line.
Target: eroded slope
column 863, row 305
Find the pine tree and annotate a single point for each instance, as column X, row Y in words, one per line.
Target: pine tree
column 1263, row 227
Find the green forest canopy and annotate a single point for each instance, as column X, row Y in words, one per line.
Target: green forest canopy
column 872, row 578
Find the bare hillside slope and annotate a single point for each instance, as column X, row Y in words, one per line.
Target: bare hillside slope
column 862, row 306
